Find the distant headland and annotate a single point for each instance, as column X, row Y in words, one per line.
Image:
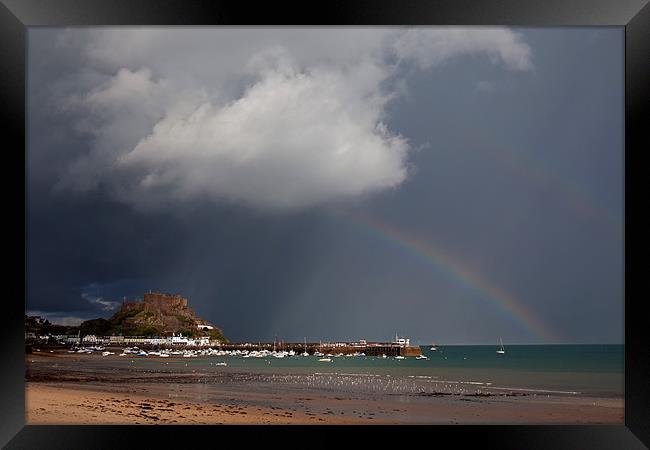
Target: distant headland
column 157, row 314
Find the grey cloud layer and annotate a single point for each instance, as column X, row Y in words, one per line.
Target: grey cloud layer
column 274, row 119
column 521, row 180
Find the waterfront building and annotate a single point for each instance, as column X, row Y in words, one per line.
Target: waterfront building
column 116, row 339
column 179, row 340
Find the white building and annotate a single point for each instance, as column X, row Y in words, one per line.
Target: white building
column 179, row 340
column 71, row 339
column 113, row 339
column 403, row 342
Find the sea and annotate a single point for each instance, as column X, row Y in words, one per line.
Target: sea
column 584, row 370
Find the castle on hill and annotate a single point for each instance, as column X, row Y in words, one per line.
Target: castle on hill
column 167, row 311
column 158, row 302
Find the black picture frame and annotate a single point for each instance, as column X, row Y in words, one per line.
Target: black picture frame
column 634, row 15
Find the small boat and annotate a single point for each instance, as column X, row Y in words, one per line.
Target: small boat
column 107, row 353
column 383, row 355
column 433, row 348
column 399, row 357
column 221, row 364
column 501, row 350
column 325, row 359
column 421, row 357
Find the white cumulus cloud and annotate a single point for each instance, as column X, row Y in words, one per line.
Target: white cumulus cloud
column 274, row 119
column 432, row 46
column 292, row 139
column 104, row 305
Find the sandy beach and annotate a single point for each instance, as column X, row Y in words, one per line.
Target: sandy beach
column 66, row 389
column 56, row 404
column 49, row 403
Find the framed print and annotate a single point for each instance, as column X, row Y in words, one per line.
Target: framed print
column 364, row 217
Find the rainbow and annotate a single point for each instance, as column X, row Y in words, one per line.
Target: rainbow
column 508, row 304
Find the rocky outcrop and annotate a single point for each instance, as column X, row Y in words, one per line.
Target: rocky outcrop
column 160, row 314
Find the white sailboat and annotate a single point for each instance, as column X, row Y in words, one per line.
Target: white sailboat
column 501, row 350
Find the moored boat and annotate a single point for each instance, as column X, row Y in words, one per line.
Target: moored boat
column 501, row 350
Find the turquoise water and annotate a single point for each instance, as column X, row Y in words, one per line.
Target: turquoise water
column 548, row 358
column 554, row 369
column 536, row 358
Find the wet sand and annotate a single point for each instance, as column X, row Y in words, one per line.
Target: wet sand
column 69, row 397
column 50, row 404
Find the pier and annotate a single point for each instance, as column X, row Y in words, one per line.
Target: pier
column 398, row 348
column 369, row 349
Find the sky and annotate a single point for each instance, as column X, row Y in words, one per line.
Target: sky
column 454, row 185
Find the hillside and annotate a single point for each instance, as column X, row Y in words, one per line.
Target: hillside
column 157, row 315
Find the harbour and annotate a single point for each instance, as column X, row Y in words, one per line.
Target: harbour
column 470, row 384
column 179, row 345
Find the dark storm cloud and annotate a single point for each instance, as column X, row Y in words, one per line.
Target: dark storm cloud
column 515, row 169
